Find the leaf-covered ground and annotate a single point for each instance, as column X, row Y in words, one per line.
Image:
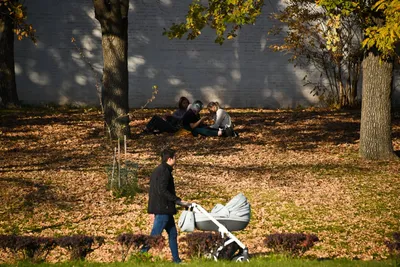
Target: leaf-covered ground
column 299, row 169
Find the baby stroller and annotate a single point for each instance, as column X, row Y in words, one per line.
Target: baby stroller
column 234, row 216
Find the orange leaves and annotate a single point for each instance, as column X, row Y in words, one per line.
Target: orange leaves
column 17, row 12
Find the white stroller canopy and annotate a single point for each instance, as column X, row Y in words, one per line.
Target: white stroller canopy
column 235, row 215
column 236, row 207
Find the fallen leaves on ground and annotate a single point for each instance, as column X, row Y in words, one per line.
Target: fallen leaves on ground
column 300, row 171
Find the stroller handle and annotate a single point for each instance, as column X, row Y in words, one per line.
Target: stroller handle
column 183, row 204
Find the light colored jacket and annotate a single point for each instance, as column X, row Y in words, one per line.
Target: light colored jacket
column 221, row 119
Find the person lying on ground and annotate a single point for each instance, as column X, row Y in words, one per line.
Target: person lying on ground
column 170, row 123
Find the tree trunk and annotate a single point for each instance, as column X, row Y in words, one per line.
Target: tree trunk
column 356, row 77
column 375, row 132
column 113, row 18
column 8, row 88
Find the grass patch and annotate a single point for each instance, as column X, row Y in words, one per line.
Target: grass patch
column 276, row 261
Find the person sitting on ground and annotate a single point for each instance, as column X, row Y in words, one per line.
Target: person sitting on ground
column 192, row 122
column 170, row 123
column 221, row 118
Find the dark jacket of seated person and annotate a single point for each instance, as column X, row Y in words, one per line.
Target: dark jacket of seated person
column 168, row 123
column 192, row 121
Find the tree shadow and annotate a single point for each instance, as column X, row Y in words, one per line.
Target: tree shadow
column 45, row 116
column 283, row 130
column 277, row 169
column 52, row 160
column 40, row 193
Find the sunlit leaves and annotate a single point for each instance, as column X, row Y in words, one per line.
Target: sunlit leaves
column 225, row 17
column 381, row 21
column 332, row 36
column 329, row 41
column 17, row 12
column 305, row 25
column 385, row 37
column 343, row 7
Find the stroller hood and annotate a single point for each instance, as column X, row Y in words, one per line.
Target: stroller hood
column 236, row 207
column 235, row 215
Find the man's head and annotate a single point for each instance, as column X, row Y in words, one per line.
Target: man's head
column 197, row 106
column 168, row 156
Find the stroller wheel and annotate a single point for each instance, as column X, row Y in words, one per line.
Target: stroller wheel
column 240, row 258
column 211, row 257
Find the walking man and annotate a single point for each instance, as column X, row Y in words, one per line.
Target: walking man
column 162, row 201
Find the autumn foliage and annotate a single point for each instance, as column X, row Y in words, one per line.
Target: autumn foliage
column 201, row 244
column 299, row 170
column 31, row 248
column 293, row 244
column 17, row 11
column 37, row 248
column 79, row 246
column 328, row 42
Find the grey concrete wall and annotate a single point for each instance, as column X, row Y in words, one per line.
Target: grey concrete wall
column 241, row 73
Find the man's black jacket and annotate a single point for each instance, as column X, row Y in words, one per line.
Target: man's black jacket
column 162, row 195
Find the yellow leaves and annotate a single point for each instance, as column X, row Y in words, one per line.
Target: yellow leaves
column 387, row 36
column 333, row 42
column 16, row 11
column 19, row 14
column 151, row 99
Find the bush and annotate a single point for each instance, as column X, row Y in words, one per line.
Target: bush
column 202, row 244
column 394, row 246
column 31, row 248
column 79, row 246
column 293, row 244
column 143, row 257
column 122, row 179
column 136, row 241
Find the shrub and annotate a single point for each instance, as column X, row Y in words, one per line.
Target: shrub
column 293, row 244
column 394, row 246
column 143, row 257
column 136, row 241
column 122, row 179
column 31, row 248
column 202, row 244
column 79, row 246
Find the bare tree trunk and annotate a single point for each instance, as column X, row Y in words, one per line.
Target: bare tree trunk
column 375, row 132
column 355, row 74
column 8, row 88
column 342, row 92
column 113, row 18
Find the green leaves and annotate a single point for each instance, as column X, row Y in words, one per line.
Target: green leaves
column 218, row 15
column 339, row 6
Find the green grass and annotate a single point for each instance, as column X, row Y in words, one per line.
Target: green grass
column 261, row 262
